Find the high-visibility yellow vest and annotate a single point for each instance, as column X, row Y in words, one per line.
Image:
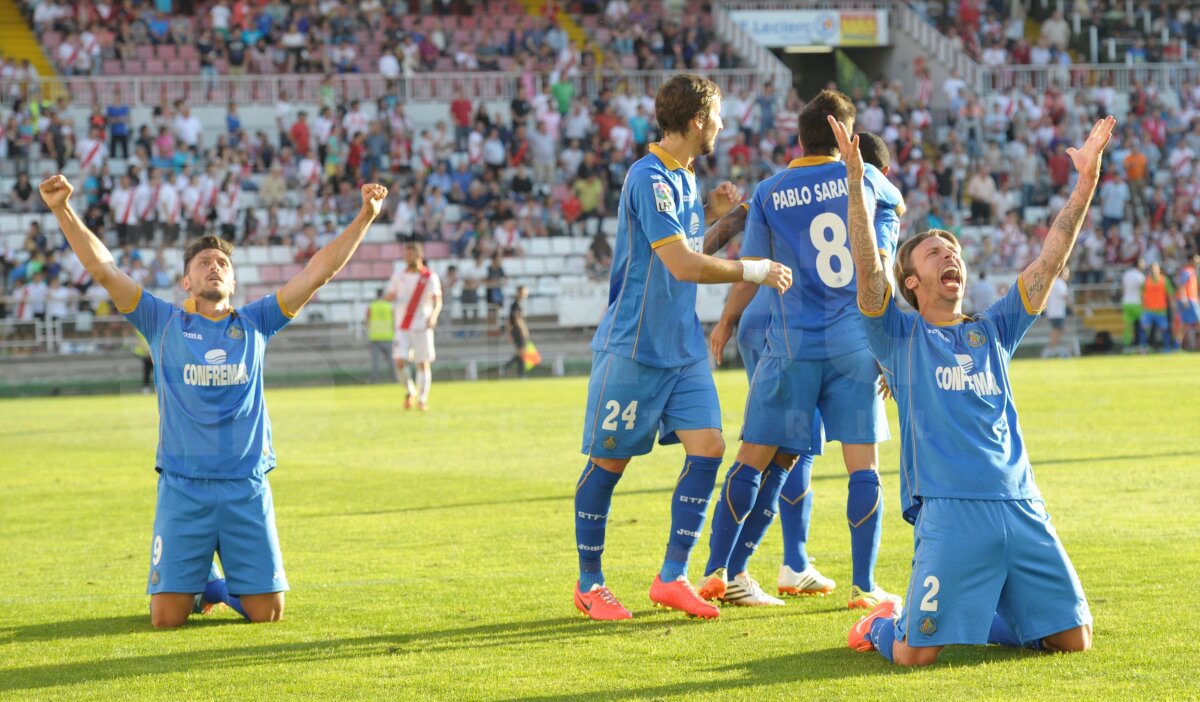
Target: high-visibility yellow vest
column 379, row 321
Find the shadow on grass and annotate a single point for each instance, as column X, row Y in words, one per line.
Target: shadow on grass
column 559, row 631
column 88, row 628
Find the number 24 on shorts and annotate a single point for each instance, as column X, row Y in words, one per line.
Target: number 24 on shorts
column 629, row 416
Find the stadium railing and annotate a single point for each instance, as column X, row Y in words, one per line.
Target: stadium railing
column 434, row 87
column 1164, row 76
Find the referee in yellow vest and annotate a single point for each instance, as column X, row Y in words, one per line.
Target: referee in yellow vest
column 380, row 330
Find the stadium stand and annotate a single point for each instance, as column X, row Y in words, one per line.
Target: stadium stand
column 526, row 162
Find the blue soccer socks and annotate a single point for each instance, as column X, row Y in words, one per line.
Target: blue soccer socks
column 217, row 590
column 795, row 510
column 864, row 511
column 688, row 506
column 883, row 635
column 593, row 497
column 766, row 506
column 735, row 502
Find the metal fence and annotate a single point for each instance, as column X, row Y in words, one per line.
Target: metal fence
column 1163, row 76
column 198, row 90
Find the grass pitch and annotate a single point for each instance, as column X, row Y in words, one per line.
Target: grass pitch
column 431, row 555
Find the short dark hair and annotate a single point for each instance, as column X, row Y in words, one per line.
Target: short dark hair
column 874, row 150
column 683, row 98
column 904, row 265
column 816, row 136
column 203, row 243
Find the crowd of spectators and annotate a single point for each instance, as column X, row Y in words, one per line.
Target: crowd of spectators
column 484, row 180
column 1020, row 32
column 397, row 38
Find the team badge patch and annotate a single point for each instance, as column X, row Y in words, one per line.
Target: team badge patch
column 976, row 338
column 235, row 332
column 928, row 625
column 154, row 577
column 664, row 201
column 610, row 443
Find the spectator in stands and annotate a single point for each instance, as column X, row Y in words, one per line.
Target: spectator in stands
column 1056, row 31
column 590, row 191
column 599, row 256
column 981, row 188
column 22, row 193
column 496, row 278
column 1114, row 201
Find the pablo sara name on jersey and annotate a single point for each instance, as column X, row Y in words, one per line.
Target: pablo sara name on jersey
column 806, row 195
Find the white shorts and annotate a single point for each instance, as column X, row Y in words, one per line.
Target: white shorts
column 414, row 345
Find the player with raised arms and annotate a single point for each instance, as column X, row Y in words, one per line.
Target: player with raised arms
column 816, row 360
column 214, row 447
column 793, row 501
column 650, row 372
column 987, row 565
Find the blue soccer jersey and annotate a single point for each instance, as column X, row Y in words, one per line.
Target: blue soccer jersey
column 651, row 316
column 798, row 218
column 958, row 425
column 887, row 219
column 213, row 421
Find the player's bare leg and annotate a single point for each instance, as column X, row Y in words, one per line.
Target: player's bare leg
column 864, row 513
column 267, row 607
column 903, row 654
column 170, row 609
column 1074, row 640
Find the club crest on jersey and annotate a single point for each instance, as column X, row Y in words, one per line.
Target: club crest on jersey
column 976, row 338
column 235, row 332
column 664, row 201
column 610, row 443
column 928, row 625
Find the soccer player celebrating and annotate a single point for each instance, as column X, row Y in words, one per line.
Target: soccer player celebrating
column 793, row 500
column 649, row 368
column 988, row 565
column 417, row 294
column 214, row 447
column 816, row 359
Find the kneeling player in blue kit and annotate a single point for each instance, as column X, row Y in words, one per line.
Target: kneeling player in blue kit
column 214, row 447
column 988, row 566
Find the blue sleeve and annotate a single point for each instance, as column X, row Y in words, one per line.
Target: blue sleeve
column 148, row 315
column 756, row 238
column 1013, row 316
column 887, row 329
column 267, row 314
column 655, row 205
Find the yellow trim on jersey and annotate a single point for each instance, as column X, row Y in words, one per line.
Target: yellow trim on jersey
column 668, row 160
column 1025, row 297
column 746, row 205
column 189, row 306
column 811, row 161
column 887, row 296
column 667, row 240
column 136, row 301
column 283, row 308
column 751, row 258
column 960, row 320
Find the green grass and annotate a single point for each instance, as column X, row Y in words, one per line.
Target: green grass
column 431, row 555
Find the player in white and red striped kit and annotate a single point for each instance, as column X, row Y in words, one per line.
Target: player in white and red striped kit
column 416, row 292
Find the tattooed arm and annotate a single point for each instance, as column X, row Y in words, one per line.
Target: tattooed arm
column 1039, row 277
column 868, row 267
column 724, row 229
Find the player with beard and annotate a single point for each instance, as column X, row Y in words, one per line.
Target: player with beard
column 650, row 375
column 214, row 447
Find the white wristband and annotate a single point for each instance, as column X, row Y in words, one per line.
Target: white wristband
column 756, row 271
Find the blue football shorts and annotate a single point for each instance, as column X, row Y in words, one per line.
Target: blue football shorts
column 195, row 518
column 751, row 346
column 629, row 404
column 976, row 558
column 1189, row 312
column 789, row 398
